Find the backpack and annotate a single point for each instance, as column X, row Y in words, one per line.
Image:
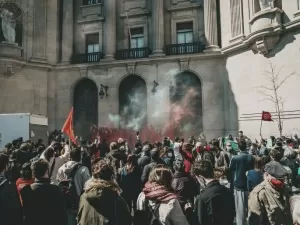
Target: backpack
column 152, row 219
column 69, row 191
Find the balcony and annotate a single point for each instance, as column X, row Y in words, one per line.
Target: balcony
column 87, row 57
column 133, row 53
column 187, row 48
column 91, row 2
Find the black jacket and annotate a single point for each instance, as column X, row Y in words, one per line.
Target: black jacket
column 215, row 205
column 43, row 204
column 10, row 205
column 185, row 187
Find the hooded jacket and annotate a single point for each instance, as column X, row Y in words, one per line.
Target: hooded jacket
column 101, row 204
column 81, row 176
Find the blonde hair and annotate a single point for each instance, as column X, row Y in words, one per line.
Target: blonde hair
column 161, row 175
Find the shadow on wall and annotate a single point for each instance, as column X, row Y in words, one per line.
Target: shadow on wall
column 230, row 106
column 283, row 42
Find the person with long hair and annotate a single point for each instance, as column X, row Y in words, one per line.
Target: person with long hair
column 131, row 183
column 158, row 201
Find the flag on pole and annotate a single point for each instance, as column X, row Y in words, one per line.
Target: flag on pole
column 266, row 116
column 68, row 127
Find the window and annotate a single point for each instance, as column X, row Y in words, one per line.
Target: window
column 137, row 37
column 92, row 45
column 137, row 41
column 185, row 33
column 90, row 2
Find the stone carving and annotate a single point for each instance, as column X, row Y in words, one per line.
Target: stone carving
column 131, row 68
column 184, row 64
column 8, row 25
column 266, row 4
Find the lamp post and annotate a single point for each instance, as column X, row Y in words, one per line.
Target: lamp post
column 103, row 91
column 155, row 84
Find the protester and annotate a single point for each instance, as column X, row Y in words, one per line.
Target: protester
column 176, row 148
column 42, row 201
column 167, row 155
column 185, row 187
column 154, row 154
column 255, row 176
column 131, row 183
column 25, row 179
column 116, row 159
column 239, row 165
column 215, row 205
column 10, row 205
column 221, row 158
column 144, row 159
column 158, row 202
column 269, row 201
column 184, row 184
column 101, row 203
column 79, row 175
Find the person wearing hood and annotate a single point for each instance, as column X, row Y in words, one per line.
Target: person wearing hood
column 101, row 202
column 10, row 205
column 77, row 172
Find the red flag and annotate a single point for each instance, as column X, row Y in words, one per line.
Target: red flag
column 266, row 116
column 68, row 127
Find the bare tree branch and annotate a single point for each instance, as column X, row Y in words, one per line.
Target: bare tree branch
column 284, row 80
column 270, row 91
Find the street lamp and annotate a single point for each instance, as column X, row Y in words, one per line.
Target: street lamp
column 155, row 84
column 103, row 91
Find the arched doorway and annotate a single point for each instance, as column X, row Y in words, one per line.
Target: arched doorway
column 133, row 102
column 186, row 104
column 85, row 107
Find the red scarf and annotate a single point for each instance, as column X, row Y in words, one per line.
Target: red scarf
column 156, row 192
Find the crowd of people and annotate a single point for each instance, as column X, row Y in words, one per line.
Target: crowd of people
column 172, row 182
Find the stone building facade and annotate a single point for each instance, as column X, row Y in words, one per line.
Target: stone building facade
column 75, row 52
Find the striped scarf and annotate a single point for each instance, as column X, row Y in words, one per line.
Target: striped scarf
column 159, row 193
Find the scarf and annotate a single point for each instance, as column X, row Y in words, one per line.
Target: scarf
column 159, row 193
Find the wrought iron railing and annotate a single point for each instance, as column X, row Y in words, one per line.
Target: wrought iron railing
column 187, row 48
column 133, row 53
column 91, row 2
column 87, row 57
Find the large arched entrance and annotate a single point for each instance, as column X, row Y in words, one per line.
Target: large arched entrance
column 85, row 107
column 186, row 104
column 133, row 102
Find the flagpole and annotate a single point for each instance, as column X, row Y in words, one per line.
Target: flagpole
column 260, row 127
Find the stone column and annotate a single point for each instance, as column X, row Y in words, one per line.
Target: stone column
column 158, row 27
column 67, row 30
column 211, row 25
column 110, row 30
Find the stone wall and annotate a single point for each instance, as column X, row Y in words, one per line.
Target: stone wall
column 246, row 72
column 210, row 71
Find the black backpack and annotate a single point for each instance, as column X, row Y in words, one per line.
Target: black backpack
column 152, row 219
column 68, row 188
